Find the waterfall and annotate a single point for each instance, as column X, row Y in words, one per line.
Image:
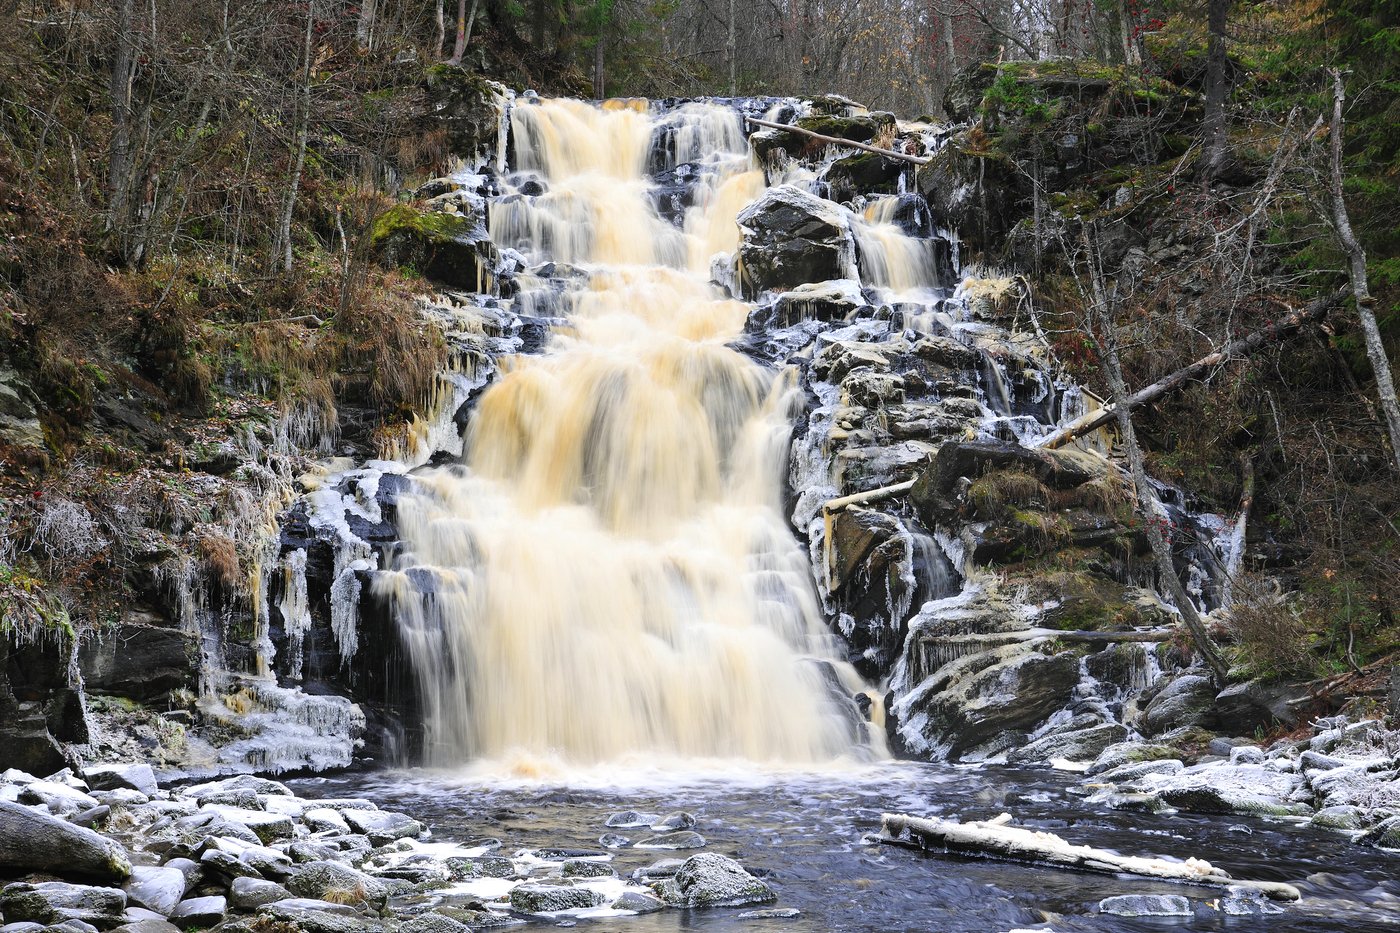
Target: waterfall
column 607, row 572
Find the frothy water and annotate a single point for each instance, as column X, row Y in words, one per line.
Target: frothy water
column 609, row 571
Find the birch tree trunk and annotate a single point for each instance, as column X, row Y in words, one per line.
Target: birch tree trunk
column 119, row 86
column 459, row 47
column 1360, row 288
column 283, row 241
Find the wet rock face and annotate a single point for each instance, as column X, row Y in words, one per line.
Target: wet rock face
column 142, row 661
column 792, row 238
column 41, row 707
column 466, row 105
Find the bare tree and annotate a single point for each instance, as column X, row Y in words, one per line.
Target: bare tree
column 1216, row 89
column 1360, row 288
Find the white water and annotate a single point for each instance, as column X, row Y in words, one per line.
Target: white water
column 608, row 574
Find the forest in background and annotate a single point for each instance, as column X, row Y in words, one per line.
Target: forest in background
column 188, row 193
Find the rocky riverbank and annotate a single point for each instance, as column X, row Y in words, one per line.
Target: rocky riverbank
column 112, row 850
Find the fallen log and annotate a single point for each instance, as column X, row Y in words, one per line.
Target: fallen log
column 996, row 839
column 1276, row 330
column 838, row 141
column 1155, row 635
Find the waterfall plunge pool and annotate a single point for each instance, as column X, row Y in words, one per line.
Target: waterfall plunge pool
column 810, row 835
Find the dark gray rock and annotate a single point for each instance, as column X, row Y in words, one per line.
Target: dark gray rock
column 1185, row 701
column 146, row 663
column 1241, row 709
column 713, row 880
column 791, row 238
column 544, row 898
column 1146, row 905
column 686, row 839
column 629, row 819
column 487, row 866
column 32, row 841
column 200, row 911
column 382, row 827
column 587, row 868
column 638, row 903
column 157, row 889
column 252, row 893
column 135, row 776
column 433, row 923
column 53, row 902
column 1083, row 744
column 332, row 880
column 771, row 913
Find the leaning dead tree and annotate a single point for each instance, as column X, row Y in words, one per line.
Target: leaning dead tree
column 1100, row 302
column 1360, row 288
column 1276, row 330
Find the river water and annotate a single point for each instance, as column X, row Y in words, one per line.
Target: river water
column 808, row 833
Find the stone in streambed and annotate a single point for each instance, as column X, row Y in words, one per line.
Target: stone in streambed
column 53, row 902
column 543, row 898
column 157, row 889
column 629, row 819
column 382, row 826
column 59, row 798
column 1146, row 905
column 147, row 926
column 334, row 881
column 638, row 903
column 252, row 893
column 485, row 866
column 681, row 840
column 713, row 880
column 200, row 911
column 587, row 868
column 268, row 827
column 771, row 913
column 33, row 841
column 613, row 841
column 674, row 821
column 433, row 923
column 130, row 776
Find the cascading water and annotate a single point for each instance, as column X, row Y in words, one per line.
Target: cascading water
column 609, row 571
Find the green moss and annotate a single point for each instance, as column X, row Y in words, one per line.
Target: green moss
column 433, row 226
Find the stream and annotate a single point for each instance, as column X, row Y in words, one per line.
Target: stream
column 809, row 835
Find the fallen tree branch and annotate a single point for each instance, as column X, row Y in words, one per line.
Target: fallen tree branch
column 1050, row 634
column 837, row 141
column 996, row 839
column 1276, row 330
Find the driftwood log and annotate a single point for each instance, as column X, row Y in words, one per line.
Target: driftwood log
column 996, row 839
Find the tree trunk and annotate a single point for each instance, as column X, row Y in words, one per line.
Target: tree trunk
column 439, row 29
column 459, row 47
column 283, row 242
column 119, row 86
column 1216, row 90
column 599, row 88
column 1360, row 288
column 1149, row 506
column 731, row 52
column 364, row 26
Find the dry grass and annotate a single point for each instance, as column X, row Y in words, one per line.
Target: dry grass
column 220, row 556
column 1271, row 632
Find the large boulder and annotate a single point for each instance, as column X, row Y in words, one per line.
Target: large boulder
column 543, row 898
column 790, row 238
column 713, row 880
column 450, row 248
column 33, row 841
column 466, row 106
column 1185, row 701
column 157, row 889
column 54, row 902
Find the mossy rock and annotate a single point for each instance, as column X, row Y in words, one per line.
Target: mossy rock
column 451, row 249
column 864, row 173
column 465, row 105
